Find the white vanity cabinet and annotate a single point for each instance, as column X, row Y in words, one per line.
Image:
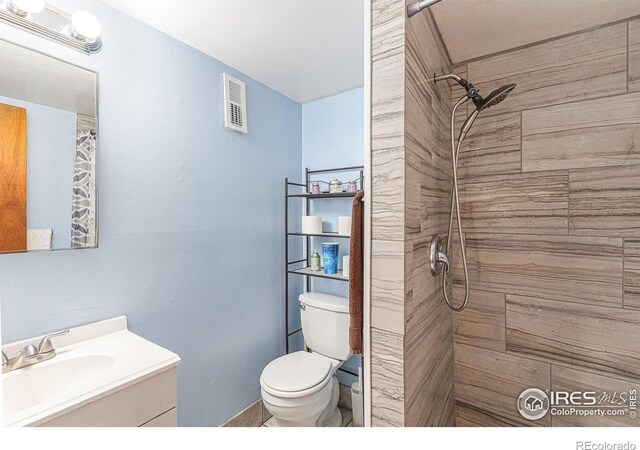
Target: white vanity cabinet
column 102, row 375
column 148, row 403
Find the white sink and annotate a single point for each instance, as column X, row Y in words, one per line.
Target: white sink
column 38, row 384
column 91, row 362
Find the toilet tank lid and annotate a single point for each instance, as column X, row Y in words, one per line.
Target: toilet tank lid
column 325, row 301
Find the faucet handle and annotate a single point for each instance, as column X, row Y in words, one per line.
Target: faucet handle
column 5, row 360
column 46, row 346
column 30, row 352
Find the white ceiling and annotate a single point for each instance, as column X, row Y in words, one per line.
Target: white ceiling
column 474, row 28
column 304, row 49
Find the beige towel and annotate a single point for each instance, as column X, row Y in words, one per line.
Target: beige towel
column 356, row 275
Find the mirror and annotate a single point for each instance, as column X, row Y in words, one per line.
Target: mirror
column 48, row 150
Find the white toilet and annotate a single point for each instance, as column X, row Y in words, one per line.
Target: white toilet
column 301, row 389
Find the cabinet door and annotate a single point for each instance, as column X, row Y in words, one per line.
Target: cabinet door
column 13, row 179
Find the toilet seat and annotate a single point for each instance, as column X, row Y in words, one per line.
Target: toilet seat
column 296, row 375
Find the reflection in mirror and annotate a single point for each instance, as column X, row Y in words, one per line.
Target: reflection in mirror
column 48, row 145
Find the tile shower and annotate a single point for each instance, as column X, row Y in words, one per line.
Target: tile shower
column 549, row 195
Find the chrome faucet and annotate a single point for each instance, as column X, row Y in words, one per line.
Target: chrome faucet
column 31, row 354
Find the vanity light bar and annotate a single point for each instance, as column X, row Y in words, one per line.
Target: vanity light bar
column 69, row 36
column 25, row 7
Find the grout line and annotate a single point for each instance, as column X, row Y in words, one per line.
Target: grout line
column 568, row 202
column 538, row 296
column 570, row 102
column 546, row 41
column 623, row 277
column 587, row 305
column 536, row 235
column 628, row 53
column 548, row 172
column 444, row 45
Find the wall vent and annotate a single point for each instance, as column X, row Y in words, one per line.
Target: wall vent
column 235, row 103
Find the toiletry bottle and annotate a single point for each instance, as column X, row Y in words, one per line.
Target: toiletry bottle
column 315, row 262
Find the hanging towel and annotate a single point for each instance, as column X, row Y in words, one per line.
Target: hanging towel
column 356, row 275
column 39, row 239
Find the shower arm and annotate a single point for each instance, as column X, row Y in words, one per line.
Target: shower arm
column 450, row 76
column 455, row 153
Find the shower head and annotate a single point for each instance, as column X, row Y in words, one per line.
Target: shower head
column 417, row 7
column 481, row 103
column 494, row 98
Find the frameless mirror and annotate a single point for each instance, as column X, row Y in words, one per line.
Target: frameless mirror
column 48, row 145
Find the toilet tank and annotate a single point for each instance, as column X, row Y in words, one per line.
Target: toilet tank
column 325, row 324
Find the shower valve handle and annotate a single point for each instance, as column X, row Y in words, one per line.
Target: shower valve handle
column 438, row 258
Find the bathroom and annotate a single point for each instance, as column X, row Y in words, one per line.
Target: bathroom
column 265, row 222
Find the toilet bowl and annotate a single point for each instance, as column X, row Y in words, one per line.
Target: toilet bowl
column 301, row 389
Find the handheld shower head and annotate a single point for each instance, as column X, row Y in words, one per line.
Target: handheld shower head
column 497, row 96
column 494, row 98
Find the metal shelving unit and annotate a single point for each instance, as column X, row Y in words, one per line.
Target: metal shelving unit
column 300, row 267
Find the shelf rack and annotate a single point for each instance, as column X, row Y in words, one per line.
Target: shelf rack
column 290, row 266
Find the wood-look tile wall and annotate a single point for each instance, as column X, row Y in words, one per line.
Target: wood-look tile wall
column 412, row 333
column 387, row 211
column 550, row 197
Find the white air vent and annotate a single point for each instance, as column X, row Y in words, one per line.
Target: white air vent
column 235, row 104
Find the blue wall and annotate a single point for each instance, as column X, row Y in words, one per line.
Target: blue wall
column 191, row 218
column 332, row 137
column 333, row 131
column 51, row 152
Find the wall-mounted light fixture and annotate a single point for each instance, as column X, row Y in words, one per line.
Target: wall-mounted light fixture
column 85, row 27
column 80, row 30
column 25, row 7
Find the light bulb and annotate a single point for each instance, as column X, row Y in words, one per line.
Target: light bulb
column 86, row 25
column 26, row 6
